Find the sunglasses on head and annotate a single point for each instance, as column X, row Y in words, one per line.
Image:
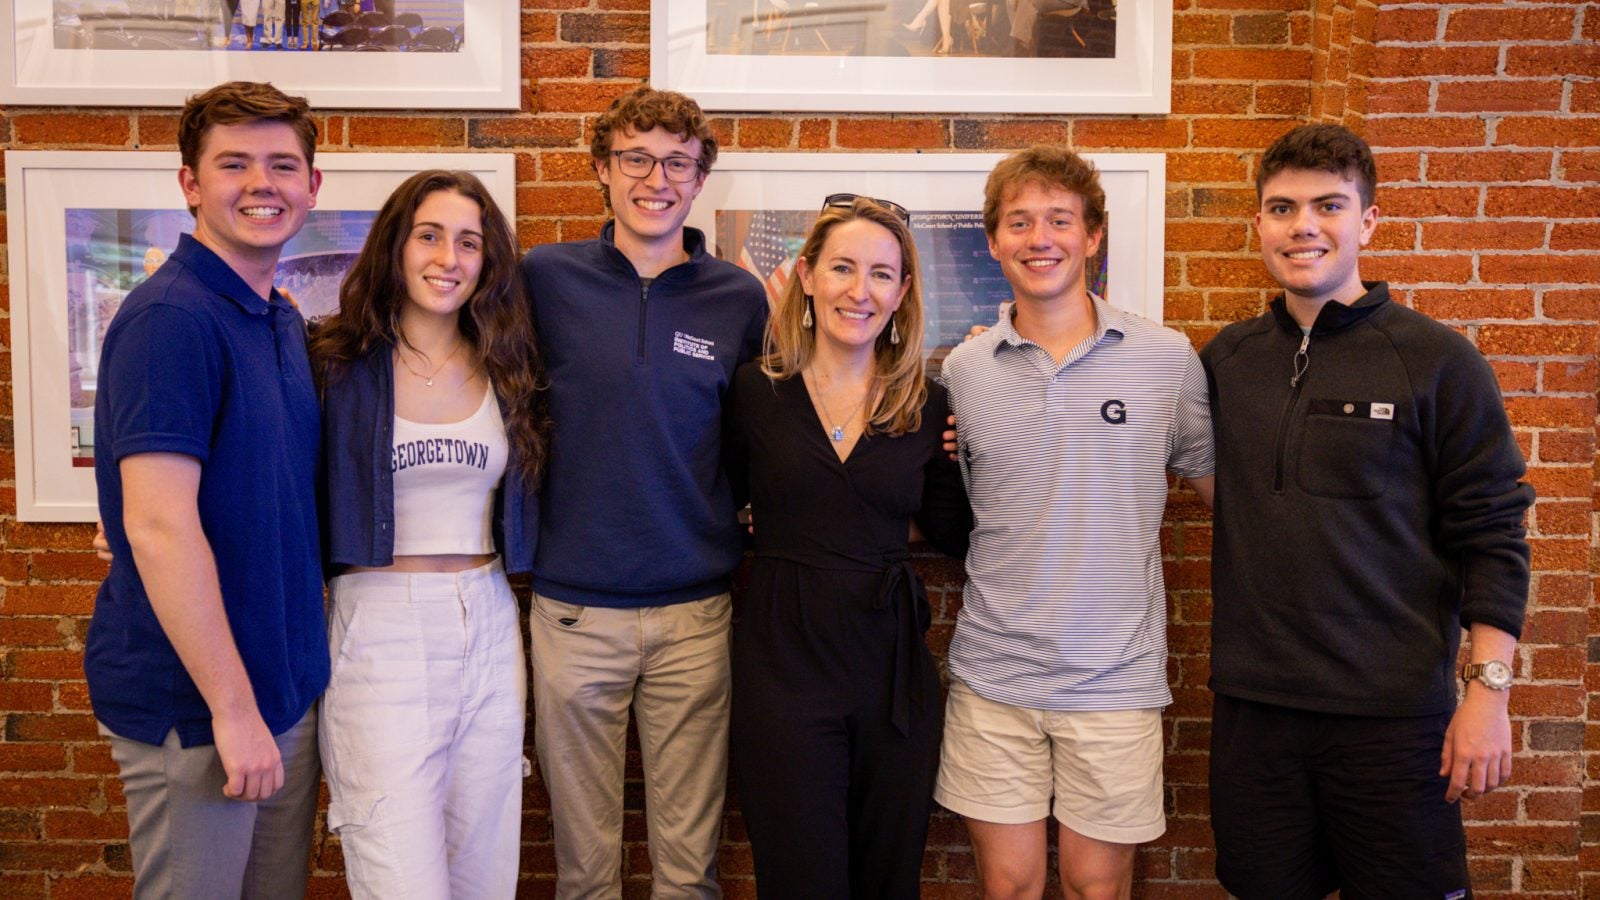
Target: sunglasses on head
column 845, row 201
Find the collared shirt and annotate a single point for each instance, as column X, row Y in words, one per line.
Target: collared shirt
column 1066, row 466
column 196, row 363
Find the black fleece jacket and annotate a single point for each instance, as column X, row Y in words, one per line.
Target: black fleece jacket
column 1365, row 511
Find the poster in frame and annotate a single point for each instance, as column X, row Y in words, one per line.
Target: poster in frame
column 756, row 207
column 85, row 227
column 463, row 55
column 928, row 56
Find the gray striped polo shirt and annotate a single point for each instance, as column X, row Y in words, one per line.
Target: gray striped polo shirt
column 1065, row 608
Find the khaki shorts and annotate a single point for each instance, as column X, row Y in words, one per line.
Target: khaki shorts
column 1001, row 763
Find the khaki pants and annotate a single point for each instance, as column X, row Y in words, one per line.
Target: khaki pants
column 670, row 665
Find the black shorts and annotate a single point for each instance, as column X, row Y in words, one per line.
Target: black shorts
column 1304, row 803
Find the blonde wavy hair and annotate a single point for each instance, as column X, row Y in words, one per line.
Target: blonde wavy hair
column 900, row 389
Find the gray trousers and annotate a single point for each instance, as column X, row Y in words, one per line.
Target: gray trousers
column 188, row 840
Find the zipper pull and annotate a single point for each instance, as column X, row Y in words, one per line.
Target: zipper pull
column 1302, row 362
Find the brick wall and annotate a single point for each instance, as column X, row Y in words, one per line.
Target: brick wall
column 1487, row 120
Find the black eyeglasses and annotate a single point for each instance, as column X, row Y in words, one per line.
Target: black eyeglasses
column 635, row 164
column 845, row 201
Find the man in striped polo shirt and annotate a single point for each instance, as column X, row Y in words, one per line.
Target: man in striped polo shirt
column 1071, row 414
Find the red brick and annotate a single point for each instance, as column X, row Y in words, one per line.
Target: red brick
column 1252, row 65
column 25, row 696
column 980, row 134
column 1408, row 96
column 1562, row 376
column 1515, row 377
column 1130, row 133
column 407, row 131
column 1505, row 25
column 1474, row 303
column 1186, row 236
column 1208, row 271
column 1489, row 165
column 1211, row 99
column 1405, row 165
column 1189, row 29
column 15, row 757
column 76, row 129
column 1425, row 131
column 1564, row 519
column 46, row 664
column 605, row 28
column 47, row 857
column 621, row 63
column 30, row 631
column 1499, row 95
column 1482, row 235
column 156, row 131
column 1394, row 61
column 1582, row 304
column 1560, row 60
column 1548, row 131
column 35, row 599
column 1282, row 99
column 522, row 132
column 1537, row 340
column 1575, row 236
column 566, row 166
column 1418, row 269
column 1542, row 202
column 68, row 567
column 574, row 200
column 46, row 536
column 1565, row 447
column 1406, row 26
column 1246, row 134
column 772, row 132
column 1578, row 166
column 1205, row 167
column 1585, row 94
column 39, row 792
column 93, row 887
column 580, row 96
column 1539, row 269
column 892, row 133
column 816, row 134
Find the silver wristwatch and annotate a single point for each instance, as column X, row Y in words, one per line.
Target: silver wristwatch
column 1495, row 675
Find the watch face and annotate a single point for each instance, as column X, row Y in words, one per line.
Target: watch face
column 1496, row 674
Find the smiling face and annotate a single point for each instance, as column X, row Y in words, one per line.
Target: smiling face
column 1312, row 228
column 649, row 211
column 251, row 190
column 1042, row 243
column 855, row 286
column 443, row 254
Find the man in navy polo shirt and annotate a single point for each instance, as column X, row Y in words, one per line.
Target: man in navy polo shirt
column 208, row 647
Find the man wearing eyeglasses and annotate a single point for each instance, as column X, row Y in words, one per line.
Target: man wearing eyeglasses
column 641, row 330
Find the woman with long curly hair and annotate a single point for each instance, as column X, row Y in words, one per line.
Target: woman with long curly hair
column 836, row 705
column 433, row 443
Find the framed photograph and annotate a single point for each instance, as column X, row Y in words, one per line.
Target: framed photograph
column 948, row 56
column 439, row 54
column 85, row 228
column 757, row 207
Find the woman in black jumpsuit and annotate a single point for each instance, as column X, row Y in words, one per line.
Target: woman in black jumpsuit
column 836, row 433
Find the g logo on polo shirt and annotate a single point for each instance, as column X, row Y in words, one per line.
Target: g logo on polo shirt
column 1114, row 411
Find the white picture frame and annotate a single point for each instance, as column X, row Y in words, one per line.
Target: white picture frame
column 687, row 54
column 484, row 73
column 942, row 191
column 41, row 188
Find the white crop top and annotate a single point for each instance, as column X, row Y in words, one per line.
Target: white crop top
column 445, row 476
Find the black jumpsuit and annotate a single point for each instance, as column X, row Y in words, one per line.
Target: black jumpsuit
column 837, row 714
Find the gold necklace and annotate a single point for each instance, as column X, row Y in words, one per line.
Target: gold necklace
column 428, row 379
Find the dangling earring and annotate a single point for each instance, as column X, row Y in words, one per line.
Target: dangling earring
column 894, row 332
column 805, row 320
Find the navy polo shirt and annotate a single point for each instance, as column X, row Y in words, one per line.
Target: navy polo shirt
column 196, row 363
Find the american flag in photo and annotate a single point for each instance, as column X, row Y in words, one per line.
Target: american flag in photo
column 765, row 251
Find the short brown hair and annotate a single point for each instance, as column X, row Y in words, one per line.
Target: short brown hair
column 645, row 108
column 1051, row 166
column 237, row 102
column 1323, row 147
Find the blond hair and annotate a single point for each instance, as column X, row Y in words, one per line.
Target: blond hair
column 895, row 407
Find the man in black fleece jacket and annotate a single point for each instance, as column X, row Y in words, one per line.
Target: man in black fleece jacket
column 1369, row 505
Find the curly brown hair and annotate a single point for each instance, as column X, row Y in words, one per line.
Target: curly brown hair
column 496, row 322
column 645, row 108
column 1052, row 166
column 901, row 389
